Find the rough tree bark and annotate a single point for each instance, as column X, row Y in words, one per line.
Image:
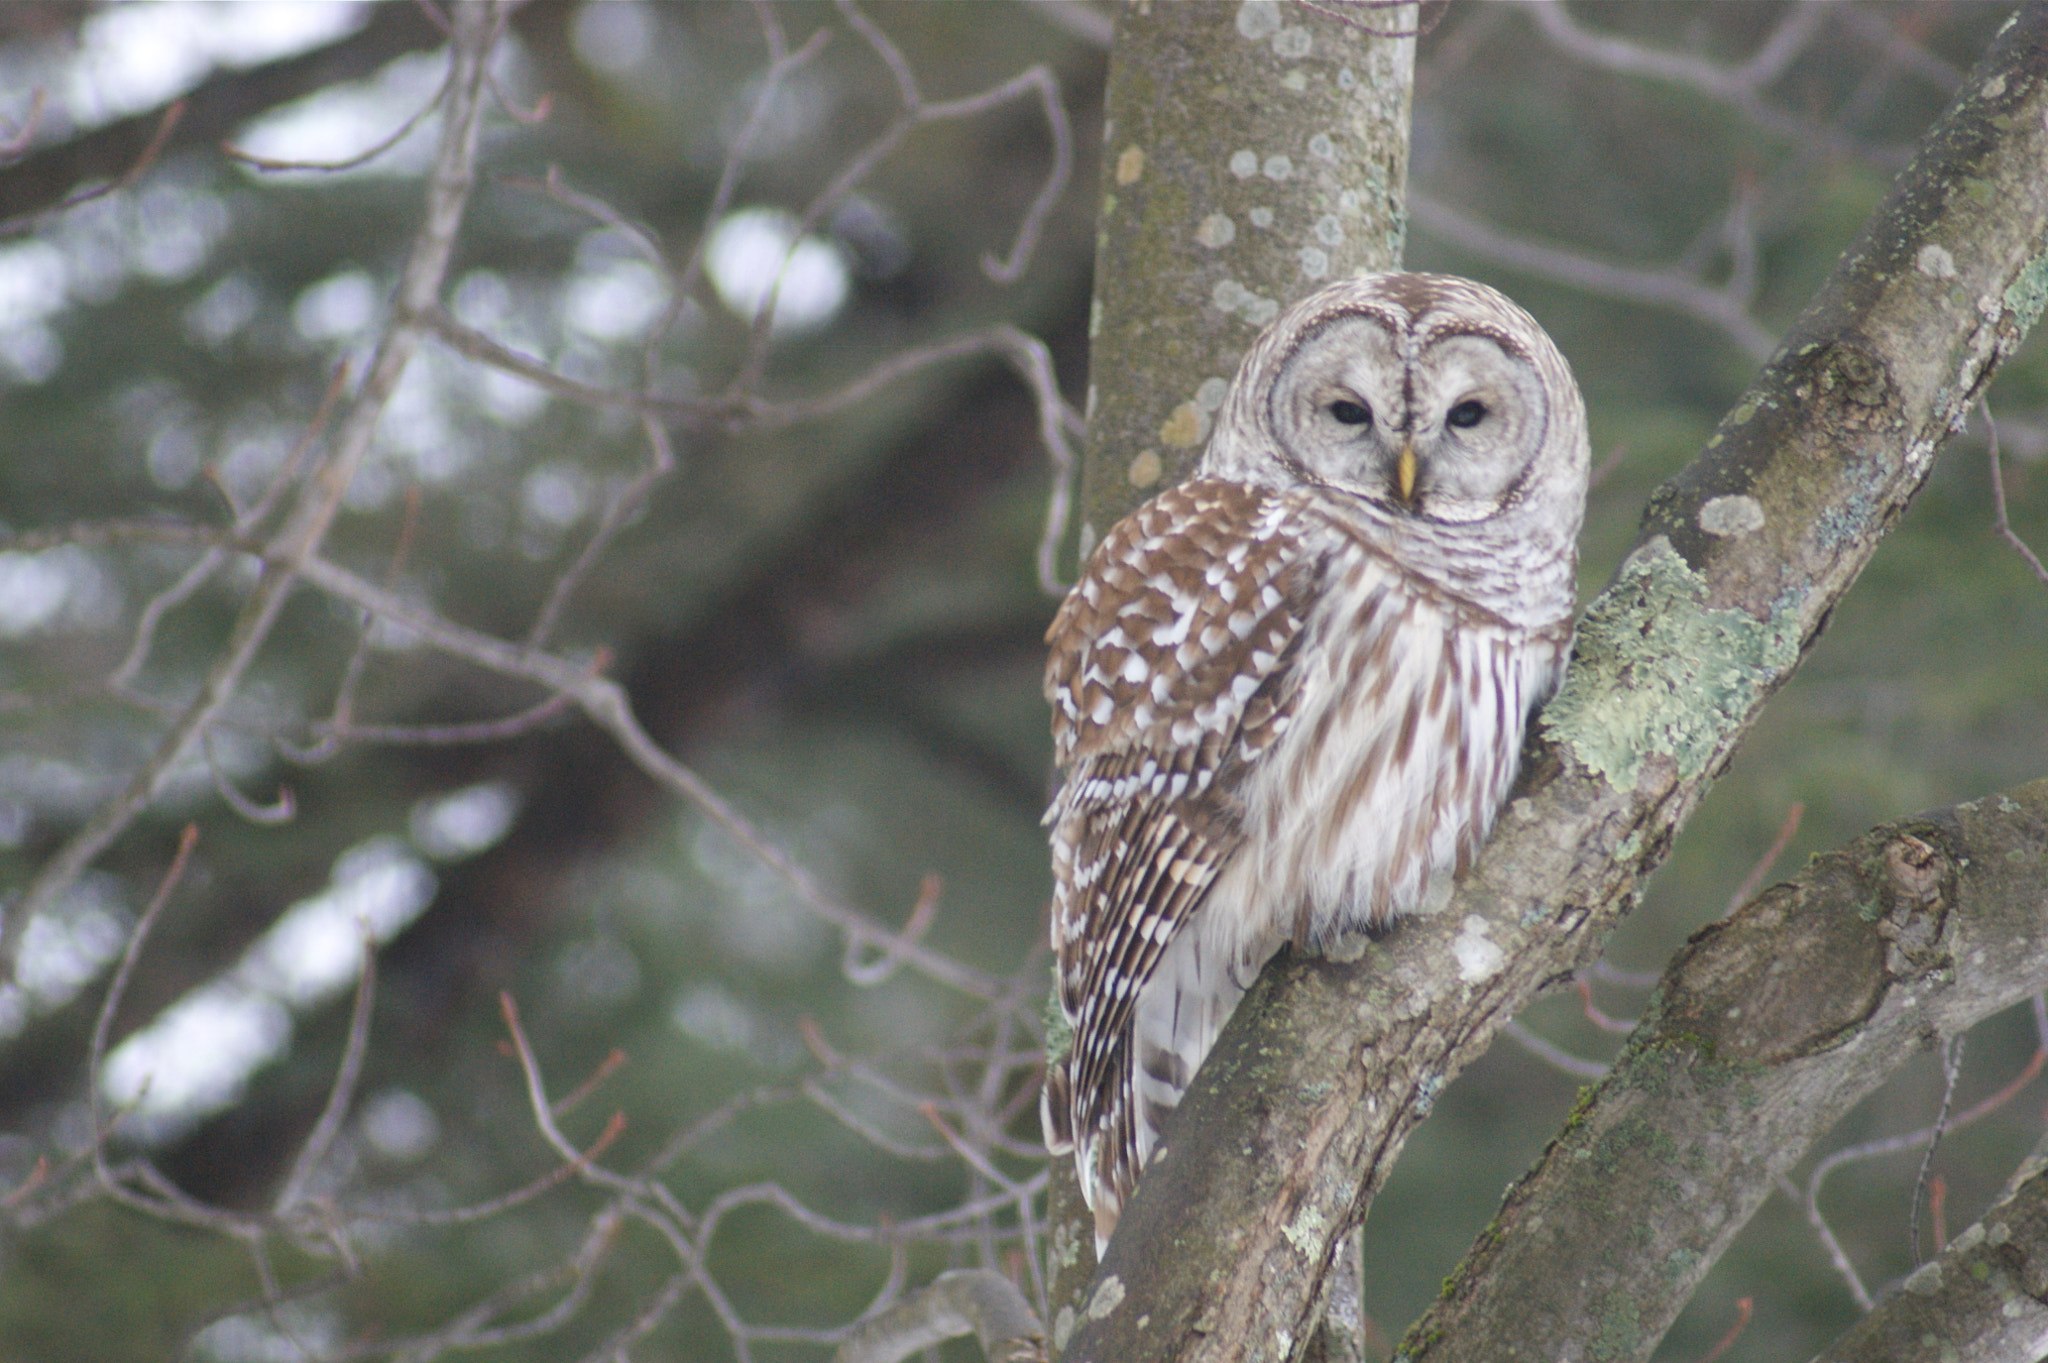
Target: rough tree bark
column 1289, row 1131
column 1765, row 1030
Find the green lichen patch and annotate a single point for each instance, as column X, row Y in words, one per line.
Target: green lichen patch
column 1659, row 672
column 2028, row 292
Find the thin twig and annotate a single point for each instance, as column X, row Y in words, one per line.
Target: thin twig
column 28, row 222
column 340, row 1094
column 1837, row 1256
column 1743, row 1308
column 1720, row 308
column 1755, row 879
column 1578, row 1066
column 1594, row 1014
column 1740, row 86
column 661, row 461
column 781, row 65
column 117, row 989
column 319, row 502
column 1999, row 524
column 364, row 157
column 605, row 703
column 1951, row 1069
column 341, row 717
column 279, row 811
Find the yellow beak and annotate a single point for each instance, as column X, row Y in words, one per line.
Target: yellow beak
column 1404, row 472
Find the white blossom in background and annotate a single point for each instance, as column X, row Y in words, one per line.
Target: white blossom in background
column 32, row 290
column 336, row 308
column 613, row 38
column 399, row 1126
column 64, row 587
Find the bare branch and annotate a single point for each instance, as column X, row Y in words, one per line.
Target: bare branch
column 1981, row 1297
column 340, row 1095
column 1552, row 1054
column 966, row 1301
column 307, row 524
column 1813, row 993
column 1724, row 308
column 1741, row 87
column 278, row 811
column 151, row 149
column 361, row 158
column 1752, row 882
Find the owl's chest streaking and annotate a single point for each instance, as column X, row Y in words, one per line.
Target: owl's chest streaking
column 1260, row 708
column 1402, row 725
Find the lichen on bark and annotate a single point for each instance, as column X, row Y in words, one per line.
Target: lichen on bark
column 1661, row 673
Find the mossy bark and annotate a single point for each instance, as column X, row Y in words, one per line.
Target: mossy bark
column 1765, row 1030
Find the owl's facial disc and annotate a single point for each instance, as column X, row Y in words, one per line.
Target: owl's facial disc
column 1478, row 420
column 1440, row 426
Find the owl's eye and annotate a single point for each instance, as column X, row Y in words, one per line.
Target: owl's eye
column 1351, row 413
column 1465, row 415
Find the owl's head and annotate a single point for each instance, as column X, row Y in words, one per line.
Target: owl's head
column 1430, row 401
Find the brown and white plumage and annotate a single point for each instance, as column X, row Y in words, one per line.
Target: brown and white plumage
column 1289, row 693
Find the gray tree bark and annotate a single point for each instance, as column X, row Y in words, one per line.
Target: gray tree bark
column 1291, row 1126
column 1765, row 1030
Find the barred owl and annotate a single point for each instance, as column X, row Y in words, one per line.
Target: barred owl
column 1289, row 693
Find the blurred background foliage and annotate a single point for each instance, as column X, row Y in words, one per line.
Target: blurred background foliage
column 837, row 623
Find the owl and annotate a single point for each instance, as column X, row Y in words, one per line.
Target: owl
column 1288, row 695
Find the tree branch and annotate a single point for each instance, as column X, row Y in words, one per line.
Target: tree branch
column 476, row 26
column 1766, row 1029
column 1292, row 1124
column 965, row 1301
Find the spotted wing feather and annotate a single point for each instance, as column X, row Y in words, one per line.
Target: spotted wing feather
column 1169, row 672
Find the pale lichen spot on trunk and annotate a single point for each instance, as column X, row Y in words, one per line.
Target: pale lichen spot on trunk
column 1659, row 673
column 1732, row 517
column 1478, row 954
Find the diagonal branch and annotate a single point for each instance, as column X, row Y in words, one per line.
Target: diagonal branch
column 1766, row 1029
column 606, row 704
column 1738, row 563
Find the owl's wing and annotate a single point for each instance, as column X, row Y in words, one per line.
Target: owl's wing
column 1170, row 667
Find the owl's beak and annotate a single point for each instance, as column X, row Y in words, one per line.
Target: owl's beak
column 1404, row 472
